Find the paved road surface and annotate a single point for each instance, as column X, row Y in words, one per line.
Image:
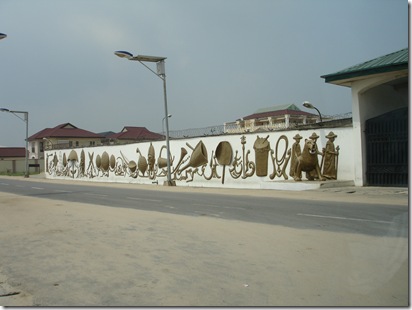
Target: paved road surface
column 57, row 253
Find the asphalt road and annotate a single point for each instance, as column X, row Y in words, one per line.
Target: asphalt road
column 294, row 211
column 176, row 246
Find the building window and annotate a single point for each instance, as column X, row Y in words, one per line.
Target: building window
column 41, row 147
column 77, row 143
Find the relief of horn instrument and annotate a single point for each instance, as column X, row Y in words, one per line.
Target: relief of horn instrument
column 183, row 153
column 199, row 156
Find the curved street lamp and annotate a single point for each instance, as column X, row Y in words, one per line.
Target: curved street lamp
column 3, row 35
column 26, row 120
column 160, row 64
column 308, row 105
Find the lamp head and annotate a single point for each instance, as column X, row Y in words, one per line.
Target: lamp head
column 124, row 54
column 4, row 110
column 308, row 105
column 3, row 35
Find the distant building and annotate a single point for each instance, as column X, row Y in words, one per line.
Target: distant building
column 130, row 134
column 12, row 153
column 272, row 118
column 12, row 159
column 62, row 136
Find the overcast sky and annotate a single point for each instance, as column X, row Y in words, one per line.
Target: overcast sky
column 225, row 59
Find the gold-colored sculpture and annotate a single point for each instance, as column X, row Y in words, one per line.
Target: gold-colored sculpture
column 105, row 162
column 161, row 161
column 198, row 157
column 66, row 163
column 151, row 162
column 280, row 164
column 261, row 147
column 224, row 156
column 308, row 161
column 213, row 171
column 330, row 158
column 82, row 163
column 141, row 163
column 295, row 153
column 247, row 167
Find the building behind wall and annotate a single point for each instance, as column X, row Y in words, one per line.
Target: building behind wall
column 280, row 117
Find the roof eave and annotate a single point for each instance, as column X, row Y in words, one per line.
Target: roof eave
column 335, row 77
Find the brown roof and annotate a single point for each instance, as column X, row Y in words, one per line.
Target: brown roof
column 66, row 130
column 136, row 133
column 12, row 152
column 277, row 113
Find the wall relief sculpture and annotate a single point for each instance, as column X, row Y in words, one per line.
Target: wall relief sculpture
column 307, row 161
column 280, row 164
column 330, row 158
column 224, row 156
column 261, row 147
column 284, row 161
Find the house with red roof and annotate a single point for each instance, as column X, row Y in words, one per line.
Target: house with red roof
column 130, row 134
column 62, row 136
column 272, row 118
column 12, row 159
column 12, row 153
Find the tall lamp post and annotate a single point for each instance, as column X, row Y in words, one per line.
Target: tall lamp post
column 160, row 63
column 163, row 123
column 308, row 105
column 26, row 120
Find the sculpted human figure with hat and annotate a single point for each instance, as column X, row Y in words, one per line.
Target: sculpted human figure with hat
column 296, row 152
column 330, row 158
column 312, row 174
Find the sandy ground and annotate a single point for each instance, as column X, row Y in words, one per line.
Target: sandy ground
column 69, row 254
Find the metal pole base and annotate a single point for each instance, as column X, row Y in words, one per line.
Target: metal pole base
column 169, row 183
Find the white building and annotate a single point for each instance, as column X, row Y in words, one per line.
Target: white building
column 380, row 118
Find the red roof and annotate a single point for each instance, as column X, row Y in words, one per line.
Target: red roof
column 12, row 152
column 277, row 113
column 66, row 130
column 136, row 133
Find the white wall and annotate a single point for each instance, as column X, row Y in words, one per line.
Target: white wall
column 127, row 153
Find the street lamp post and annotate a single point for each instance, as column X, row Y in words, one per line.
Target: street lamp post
column 160, row 63
column 163, row 123
column 308, row 105
column 26, row 120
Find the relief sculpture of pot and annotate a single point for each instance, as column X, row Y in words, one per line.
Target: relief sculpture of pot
column 262, row 148
column 161, row 162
